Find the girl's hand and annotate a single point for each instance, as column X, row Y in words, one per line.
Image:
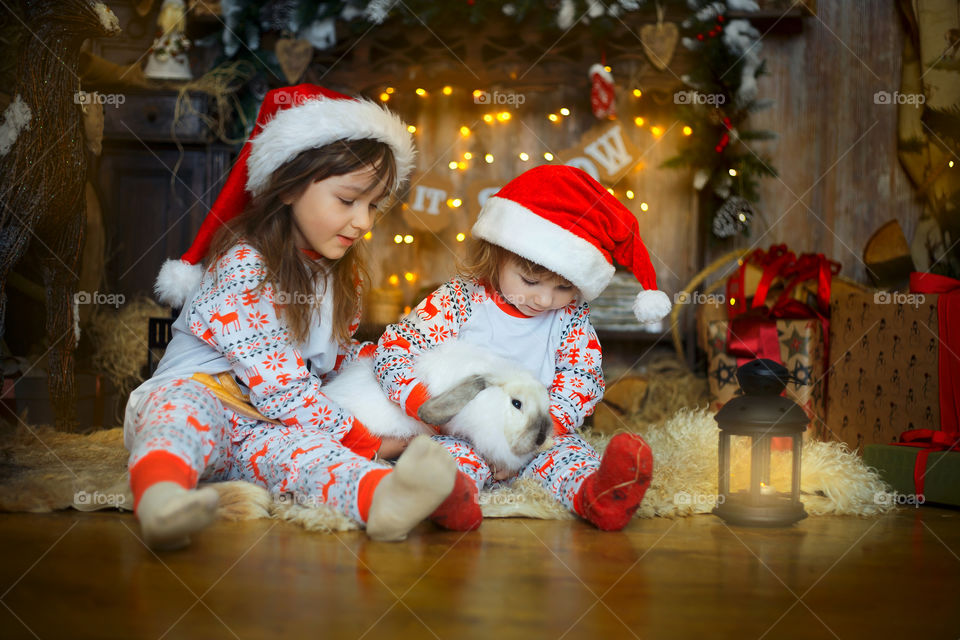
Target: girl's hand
column 391, row 448
column 500, row 474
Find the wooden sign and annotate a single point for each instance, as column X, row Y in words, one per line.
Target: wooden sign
column 426, row 206
column 477, row 193
column 605, row 152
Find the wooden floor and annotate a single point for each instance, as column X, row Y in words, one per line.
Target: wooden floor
column 82, row 575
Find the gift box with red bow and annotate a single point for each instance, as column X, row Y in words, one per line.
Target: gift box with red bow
column 777, row 307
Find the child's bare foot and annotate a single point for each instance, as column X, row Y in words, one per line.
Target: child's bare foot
column 611, row 495
column 168, row 514
column 421, row 480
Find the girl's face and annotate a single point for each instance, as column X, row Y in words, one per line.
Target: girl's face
column 533, row 294
column 334, row 213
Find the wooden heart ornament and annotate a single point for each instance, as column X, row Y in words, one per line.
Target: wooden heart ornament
column 659, row 42
column 294, row 57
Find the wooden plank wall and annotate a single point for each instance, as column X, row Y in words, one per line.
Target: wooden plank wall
column 840, row 178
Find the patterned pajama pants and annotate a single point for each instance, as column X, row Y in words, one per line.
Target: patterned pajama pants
column 185, row 419
column 561, row 469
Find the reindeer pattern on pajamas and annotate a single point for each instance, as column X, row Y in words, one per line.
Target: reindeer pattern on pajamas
column 560, row 347
column 232, row 324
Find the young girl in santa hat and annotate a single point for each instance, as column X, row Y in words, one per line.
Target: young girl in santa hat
column 543, row 246
column 266, row 318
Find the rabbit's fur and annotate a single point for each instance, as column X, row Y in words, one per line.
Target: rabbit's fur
column 500, row 407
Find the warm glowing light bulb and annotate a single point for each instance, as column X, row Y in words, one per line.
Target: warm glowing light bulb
column 503, row 116
column 607, row 68
column 743, row 217
column 461, row 165
column 407, row 239
column 398, row 238
column 411, row 128
column 644, row 206
column 687, row 130
column 629, row 194
column 553, row 117
column 733, row 301
column 732, row 172
column 465, row 131
column 421, row 92
column 488, row 118
column 950, row 164
column 638, row 121
column 524, row 156
column 488, row 158
column 368, row 235
column 656, row 131
column 564, row 111
column 609, row 190
column 394, row 280
column 453, row 164
column 409, row 277
column 467, row 155
column 477, row 93
column 390, row 90
column 447, row 90
column 457, row 202
column 384, row 96
column 637, row 93
column 461, row 237
column 548, row 156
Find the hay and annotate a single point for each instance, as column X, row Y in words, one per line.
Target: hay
column 672, row 387
column 119, row 337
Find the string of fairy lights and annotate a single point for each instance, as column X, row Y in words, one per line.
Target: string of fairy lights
column 492, row 118
column 465, row 159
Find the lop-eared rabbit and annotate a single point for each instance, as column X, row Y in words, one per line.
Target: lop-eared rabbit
column 492, row 402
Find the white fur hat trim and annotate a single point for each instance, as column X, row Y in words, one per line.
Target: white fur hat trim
column 320, row 121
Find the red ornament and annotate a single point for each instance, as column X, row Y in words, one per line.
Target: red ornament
column 719, row 18
column 699, row 36
column 602, row 92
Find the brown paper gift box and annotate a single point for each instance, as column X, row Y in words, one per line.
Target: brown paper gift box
column 884, row 353
column 801, row 351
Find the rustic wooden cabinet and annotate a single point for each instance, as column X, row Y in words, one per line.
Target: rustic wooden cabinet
column 154, row 194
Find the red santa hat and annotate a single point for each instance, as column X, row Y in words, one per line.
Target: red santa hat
column 291, row 120
column 564, row 220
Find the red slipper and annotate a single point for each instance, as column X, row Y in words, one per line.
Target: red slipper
column 461, row 510
column 611, row 495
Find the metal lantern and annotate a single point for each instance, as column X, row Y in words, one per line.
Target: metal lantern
column 761, row 414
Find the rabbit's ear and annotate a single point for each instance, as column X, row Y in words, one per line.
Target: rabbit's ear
column 442, row 407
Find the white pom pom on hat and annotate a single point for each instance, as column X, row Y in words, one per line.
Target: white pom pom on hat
column 562, row 219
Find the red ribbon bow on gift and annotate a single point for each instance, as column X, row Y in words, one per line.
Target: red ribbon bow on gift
column 948, row 370
column 754, row 333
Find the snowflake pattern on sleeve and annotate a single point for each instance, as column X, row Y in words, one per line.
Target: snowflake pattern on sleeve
column 234, row 312
column 578, row 383
column 435, row 320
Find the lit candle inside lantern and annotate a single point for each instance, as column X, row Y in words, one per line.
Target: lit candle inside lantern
column 767, row 489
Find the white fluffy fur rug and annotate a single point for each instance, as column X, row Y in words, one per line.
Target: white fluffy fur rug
column 43, row 470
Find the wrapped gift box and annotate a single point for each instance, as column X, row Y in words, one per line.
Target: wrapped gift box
column 801, row 351
column 884, row 354
column 896, row 466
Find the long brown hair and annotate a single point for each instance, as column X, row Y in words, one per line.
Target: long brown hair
column 267, row 224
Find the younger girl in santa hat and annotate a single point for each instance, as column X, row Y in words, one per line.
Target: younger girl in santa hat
column 543, row 246
column 265, row 319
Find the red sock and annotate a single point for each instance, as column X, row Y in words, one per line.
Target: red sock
column 461, row 510
column 611, row 495
column 159, row 466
